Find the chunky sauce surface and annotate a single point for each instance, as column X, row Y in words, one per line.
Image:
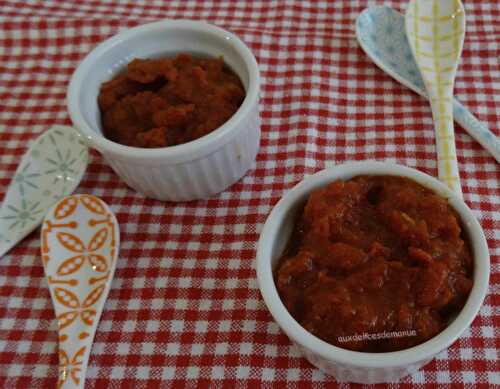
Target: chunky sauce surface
column 375, row 264
column 170, row 101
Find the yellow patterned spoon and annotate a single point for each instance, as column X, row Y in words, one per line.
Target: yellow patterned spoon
column 80, row 241
column 436, row 30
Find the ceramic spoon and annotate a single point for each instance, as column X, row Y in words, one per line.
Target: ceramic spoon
column 51, row 169
column 381, row 33
column 80, row 241
column 435, row 31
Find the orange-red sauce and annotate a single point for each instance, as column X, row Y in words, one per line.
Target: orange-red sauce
column 169, row 101
column 375, row 255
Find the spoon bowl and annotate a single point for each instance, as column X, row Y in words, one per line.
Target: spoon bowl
column 80, row 240
column 51, row 168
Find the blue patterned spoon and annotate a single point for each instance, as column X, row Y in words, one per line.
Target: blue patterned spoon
column 51, row 169
column 380, row 31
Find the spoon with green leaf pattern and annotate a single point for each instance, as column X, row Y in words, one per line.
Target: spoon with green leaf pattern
column 51, row 169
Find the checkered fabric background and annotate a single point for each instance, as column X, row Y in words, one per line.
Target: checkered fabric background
column 184, row 309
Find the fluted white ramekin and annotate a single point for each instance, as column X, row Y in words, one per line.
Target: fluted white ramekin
column 193, row 170
column 353, row 366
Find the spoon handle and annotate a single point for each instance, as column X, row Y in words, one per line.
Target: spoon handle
column 476, row 129
column 445, row 143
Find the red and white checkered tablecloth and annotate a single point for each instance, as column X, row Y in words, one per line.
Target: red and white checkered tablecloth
column 184, row 309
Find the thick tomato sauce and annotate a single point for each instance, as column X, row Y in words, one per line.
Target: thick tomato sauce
column 169, row 101
column 375, row 264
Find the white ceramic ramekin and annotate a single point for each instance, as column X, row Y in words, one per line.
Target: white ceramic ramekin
column 193, row 170
column 346, row 365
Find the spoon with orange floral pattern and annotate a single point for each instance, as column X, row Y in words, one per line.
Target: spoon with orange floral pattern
column 80, row 241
